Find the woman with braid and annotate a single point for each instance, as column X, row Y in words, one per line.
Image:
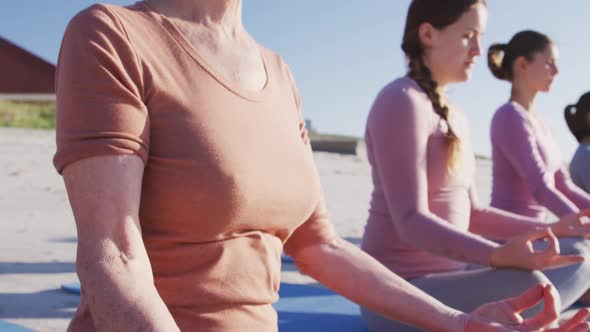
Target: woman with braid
column 577, row 117
column 425, row 223
column 529, row 176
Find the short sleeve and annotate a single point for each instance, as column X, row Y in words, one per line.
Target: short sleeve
column 100, row 109
column 317, row 229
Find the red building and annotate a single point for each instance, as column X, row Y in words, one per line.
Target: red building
column 22, row 72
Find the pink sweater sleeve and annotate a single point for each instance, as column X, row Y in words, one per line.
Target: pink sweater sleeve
column 514, row 135
column 398, row 129
column 495, row 223
column 566, row 186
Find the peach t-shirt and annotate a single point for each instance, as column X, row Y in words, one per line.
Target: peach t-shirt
column 229, row 175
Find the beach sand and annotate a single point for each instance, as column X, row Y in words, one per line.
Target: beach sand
column 38, row 236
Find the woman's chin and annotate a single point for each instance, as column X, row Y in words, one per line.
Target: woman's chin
column 465, row 77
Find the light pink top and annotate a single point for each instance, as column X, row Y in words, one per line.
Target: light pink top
column 423, row 218
column 528, row 170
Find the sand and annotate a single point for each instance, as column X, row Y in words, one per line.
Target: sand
column 38, row 236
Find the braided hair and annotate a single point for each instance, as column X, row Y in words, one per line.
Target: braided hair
column 439, row 13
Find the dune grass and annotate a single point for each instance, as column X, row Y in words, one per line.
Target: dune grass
column 32, row 114
column 29, row 114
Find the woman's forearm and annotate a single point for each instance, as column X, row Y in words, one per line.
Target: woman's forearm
column 428, row 232
column 351, row 272
column 498, row 224
column 122, row 297
column 576, row 195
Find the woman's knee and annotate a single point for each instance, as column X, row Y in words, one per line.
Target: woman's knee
column 521, row 280
column 524, row 280
column 572, row 281
column 538, row 277
column 577, row 246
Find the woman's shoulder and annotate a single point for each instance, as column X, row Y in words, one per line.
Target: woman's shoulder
column 101, row 17
column 400, row 103
column 402, row 94
column 274, row 59
column 404, row 88
column 280, row 69
column 510, row 113
column 582, row 154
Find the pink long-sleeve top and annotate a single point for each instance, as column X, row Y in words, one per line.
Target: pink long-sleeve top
column 424, row 219
column 529, row 176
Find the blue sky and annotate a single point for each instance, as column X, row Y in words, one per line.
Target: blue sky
column 343, row 52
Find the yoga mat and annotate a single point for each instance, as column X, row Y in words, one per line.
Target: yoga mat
column 72, row 288
column 306, row 308
column 312, row 308
column 9, row 327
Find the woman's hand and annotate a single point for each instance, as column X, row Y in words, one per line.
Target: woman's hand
column 503, row 316
column 518, row 253
column 573, row 225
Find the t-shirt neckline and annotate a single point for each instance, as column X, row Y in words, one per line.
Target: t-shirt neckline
column 178, row 36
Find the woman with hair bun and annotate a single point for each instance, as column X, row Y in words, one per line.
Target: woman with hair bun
column 528, row 174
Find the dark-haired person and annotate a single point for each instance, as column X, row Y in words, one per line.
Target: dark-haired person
column 577, row 117
column 529, row 177
column 528, row 173
column 425, row 222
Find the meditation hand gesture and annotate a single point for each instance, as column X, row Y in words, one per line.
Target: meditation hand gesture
column 518, row 253
column 504, row 316
column 573, row 225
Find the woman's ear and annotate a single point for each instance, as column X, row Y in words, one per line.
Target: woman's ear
column 521, row 64
column 427, row 34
